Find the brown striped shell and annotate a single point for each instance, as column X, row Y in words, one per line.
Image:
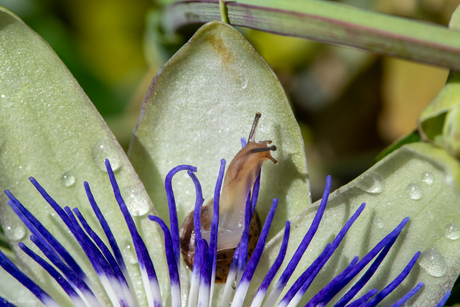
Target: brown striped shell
column 225, row 256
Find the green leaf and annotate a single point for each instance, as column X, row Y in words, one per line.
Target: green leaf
column 451, row 131
column 438, row 123
column 50, row 130
column 330, row 22
column 432, row 120
column 199, row 106
column 419, row 181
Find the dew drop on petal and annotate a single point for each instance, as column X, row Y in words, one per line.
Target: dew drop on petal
column 379, row 223
column 433, row 262
column 429, row 214
column 15, row 232
column 371, row 183
column 427, row 178
column 243, row 81
column 129, row 254
column 244, row 84
column 452, row 231
column 68, row 179
column 103, row 149
column 414, row 191
column 136, row 201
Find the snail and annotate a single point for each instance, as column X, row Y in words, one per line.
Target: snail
column 238, row 182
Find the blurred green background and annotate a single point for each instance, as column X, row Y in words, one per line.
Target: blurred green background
column 350, row 104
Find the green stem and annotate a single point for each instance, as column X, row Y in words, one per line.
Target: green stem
column 223, row 12
column 330, row 22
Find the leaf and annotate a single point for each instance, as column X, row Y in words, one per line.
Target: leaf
column 451, row 131
column 432, row 120
column 438, row 123
column 330, row 22
column 50, row 130
column 419, row 181
column 199, row 106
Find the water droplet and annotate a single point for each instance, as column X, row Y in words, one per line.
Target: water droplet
column 379, row 223
column 429, row 214
column 414, row 191
column 452, row 231
column 433, row 262
column 103, row 149
column 129, row 255
column 244, row 83
column 15, row 232
column 371, row 183
column 427, row 178
column 68, row 179
column 391, row 204
column 136, row 201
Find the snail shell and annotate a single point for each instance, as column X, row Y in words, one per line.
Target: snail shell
column 224, row 256
column 238, row 182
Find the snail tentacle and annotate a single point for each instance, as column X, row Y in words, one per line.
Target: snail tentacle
column 252, row 133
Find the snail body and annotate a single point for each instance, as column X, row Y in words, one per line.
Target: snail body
column 238, row 182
